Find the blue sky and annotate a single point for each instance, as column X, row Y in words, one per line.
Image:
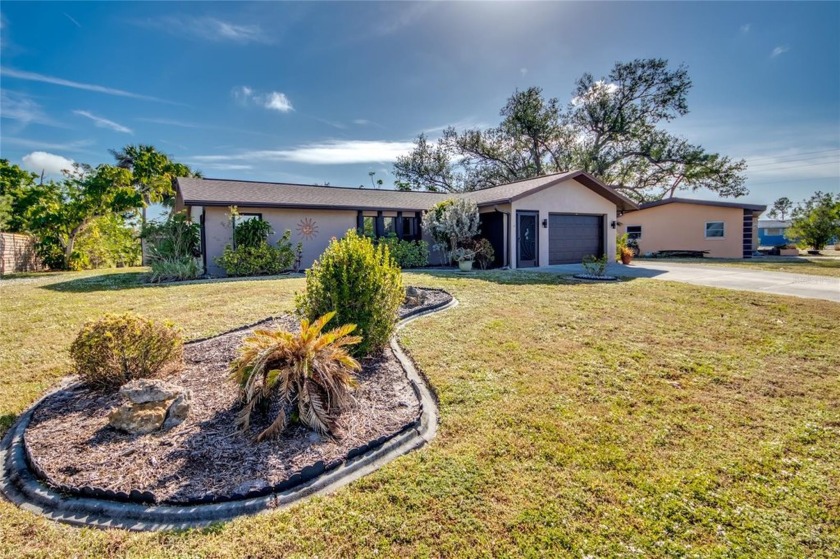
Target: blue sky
column 327, row 92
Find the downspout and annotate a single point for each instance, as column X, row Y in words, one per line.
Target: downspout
column 506, row 263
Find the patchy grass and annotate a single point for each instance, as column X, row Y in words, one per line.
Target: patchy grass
column 816, row 265
column 640, row 418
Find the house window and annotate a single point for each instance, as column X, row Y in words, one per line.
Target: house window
column 634, row 231
column 369, row 226
column 409, row 227
column 714, row 230
column 774, row 231
column 389, row 226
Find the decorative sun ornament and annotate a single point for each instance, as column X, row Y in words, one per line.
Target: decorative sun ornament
column 307, row 228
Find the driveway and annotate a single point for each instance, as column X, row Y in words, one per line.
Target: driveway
column 780, row 283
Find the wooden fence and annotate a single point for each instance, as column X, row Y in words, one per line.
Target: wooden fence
column 17, row 254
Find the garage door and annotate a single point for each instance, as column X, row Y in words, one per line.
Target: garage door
column 571, row 237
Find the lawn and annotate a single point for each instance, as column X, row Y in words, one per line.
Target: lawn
column 641, row 418
column 817, row 266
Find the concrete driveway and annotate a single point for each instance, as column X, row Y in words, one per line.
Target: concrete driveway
column 727, row 277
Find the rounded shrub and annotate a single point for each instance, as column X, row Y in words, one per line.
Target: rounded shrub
column 361, row 283
column 115, row 349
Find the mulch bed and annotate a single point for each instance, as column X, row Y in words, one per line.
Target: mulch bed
column 71, row 445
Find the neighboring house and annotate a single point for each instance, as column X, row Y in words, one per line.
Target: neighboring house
column 554, row 219
column 771, row 232
column 724, row 229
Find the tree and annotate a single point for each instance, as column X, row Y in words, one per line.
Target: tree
column 780, row 209
column 611, row 128
column 14, row 182
column 816, row 221
column 58, row 212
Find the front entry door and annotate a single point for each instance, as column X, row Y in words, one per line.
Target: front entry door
column 526, row 241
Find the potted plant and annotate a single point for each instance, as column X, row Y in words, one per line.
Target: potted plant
column 623, row 249
column 788, row 250
column 464, row 257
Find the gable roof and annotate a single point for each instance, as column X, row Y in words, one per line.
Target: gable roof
column 224, row 192
column 753, row 207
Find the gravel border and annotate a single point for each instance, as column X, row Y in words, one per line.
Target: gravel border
column 20, row 484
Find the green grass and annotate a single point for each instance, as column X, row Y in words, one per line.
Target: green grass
column 816, row 265
column 692, row 422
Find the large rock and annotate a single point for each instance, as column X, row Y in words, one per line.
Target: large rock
column 414, row 297
column 139, row 419
column 152, row 405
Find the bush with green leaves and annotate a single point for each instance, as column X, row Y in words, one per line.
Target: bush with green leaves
column 116, row 349
column 108, row 242
column 484, row 252
column 452, row 224
column 252, row 233
column 360, row 282
column 407, row 254
column 595, row 266
column 261, row 259
column 173, row 248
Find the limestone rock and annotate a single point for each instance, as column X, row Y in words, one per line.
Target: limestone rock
column 139, row 419
column 152, row 405
column 178, row 410
column 414, row 297
column 141, row 391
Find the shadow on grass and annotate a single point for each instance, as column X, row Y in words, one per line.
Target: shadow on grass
column 138, row 280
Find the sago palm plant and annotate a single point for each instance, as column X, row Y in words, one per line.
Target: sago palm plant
column 309, row 369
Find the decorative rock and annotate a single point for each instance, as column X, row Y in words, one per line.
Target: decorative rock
column 139, row 419
column 414, row 297
column 153, row 404
column 142, row 391
column 178, row 411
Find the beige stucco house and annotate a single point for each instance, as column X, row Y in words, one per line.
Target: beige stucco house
column 723, row 229
column 553, row 219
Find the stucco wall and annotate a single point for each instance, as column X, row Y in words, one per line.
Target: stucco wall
column 567, row 197
column 329, row 223
column 683, row 227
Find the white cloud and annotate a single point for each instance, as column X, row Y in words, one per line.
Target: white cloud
column 598, row 89
column 273, row 100
column 104, row 122
column 404, row 17
column 335, row 152
column 278, row 102
column 32, row 76
column 49, row 163
column 523, row 71
column 746, row 28
column 20, row 107
column 208, row 28
column 779, row 50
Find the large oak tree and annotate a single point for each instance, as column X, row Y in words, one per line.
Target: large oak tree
column 613, row 127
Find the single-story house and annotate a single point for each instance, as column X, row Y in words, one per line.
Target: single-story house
column 771, row 232
column 553, row 219
column 724, row 229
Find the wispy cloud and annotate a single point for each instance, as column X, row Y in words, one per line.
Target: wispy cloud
column 361, row 121
column 334, row 152
column 402, row 16
column 273, row 100
column 104, row 122
column 22, row 108
column 467, row 123
column 795, row 163
column 76, row 23
column 172, row 122
column 746, row 28
column 74, row 146
column 523, row 71
column 34, row 77
column 781, row 49
column 207, row 28
column 48, row 163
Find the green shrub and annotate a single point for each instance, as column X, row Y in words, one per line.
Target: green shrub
column 407, row 254
column 172, row 249
column 484, row 252
column 595, row 266
column 115, row 349
column 252, row 233
column 262, row 259
column 361, row 283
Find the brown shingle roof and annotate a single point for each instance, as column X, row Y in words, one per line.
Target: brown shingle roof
column 222, row 192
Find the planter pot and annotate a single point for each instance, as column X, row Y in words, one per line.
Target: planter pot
column 626, row 258
column 788, row 252
column 465, row 265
